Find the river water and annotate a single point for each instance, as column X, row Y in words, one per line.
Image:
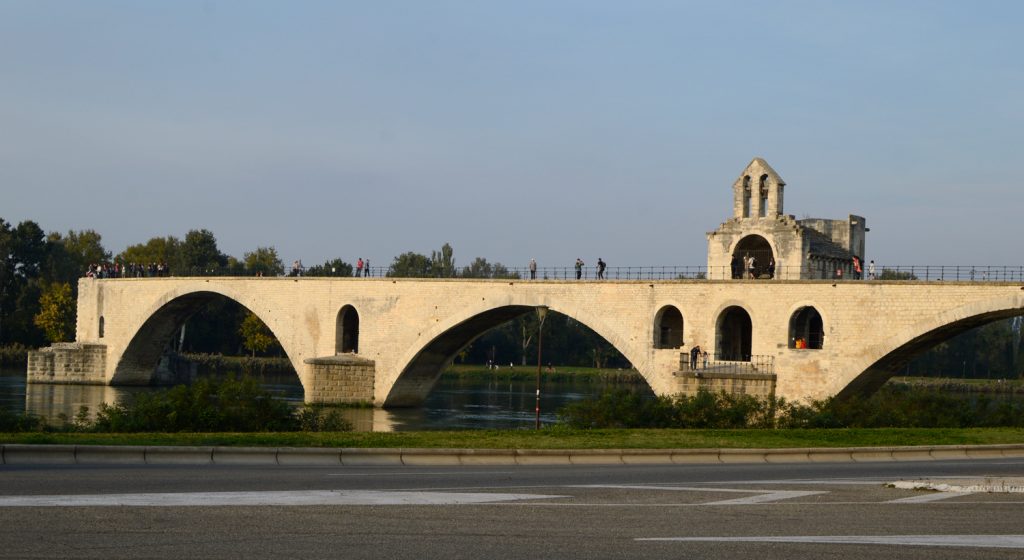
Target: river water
column 454, row 404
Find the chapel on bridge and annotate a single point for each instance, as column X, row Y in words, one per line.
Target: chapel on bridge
column 779, row 245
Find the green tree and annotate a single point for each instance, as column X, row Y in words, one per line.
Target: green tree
column 335, row 267
column 156, row 250
column 23, row 251
column 199, row 253
column 442, row 263
column 480, row 268
column 69, row 256
column 234, row 267
column 56, row 315
column 410, row 265
column 256, row 337
column 264, row 262
column 890, row 274
column 6, row 271
column 85, row 247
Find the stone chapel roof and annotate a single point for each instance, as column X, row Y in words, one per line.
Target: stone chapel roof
column 822, row 246
column 766, row 169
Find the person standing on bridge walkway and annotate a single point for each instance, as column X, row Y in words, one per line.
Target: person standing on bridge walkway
column 359, row 267
column 533, row 269
column 600, row 268
column 871, row 270
column 579, row 268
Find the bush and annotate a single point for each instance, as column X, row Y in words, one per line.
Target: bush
column 317, row 418
column 890, row 407
column 231, row 405
column 11, row 422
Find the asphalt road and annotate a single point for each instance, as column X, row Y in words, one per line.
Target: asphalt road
column 840, row 510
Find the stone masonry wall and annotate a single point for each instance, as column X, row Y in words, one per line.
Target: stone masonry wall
column 68, row 362
column 340, row 379
column 758, row 385
column 862, row 321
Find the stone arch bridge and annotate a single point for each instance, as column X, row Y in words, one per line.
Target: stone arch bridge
column 386, row 340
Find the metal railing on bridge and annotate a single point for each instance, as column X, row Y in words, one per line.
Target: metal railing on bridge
column 755, row 364
column 814, row 271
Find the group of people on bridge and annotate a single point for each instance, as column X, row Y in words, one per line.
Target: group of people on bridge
column 128, row 270
column 578, row 267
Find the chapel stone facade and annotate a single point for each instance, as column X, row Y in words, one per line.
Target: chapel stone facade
column 761, row 241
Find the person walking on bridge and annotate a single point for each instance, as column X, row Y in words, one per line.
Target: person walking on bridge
column 579, row 268
column 533, row 269
column 600, row 268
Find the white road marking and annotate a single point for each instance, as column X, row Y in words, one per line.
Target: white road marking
column 931, row 497
column 760, row 497
column 967, row 541
column 670, row 488
column 835, row 481
column 422, row 473
column 764, row 498
column 299, row 498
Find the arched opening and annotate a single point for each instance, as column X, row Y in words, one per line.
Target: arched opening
column 806, row 331
column 668, row 328
column 201, row 323
column 762, row 191
column 503, row 343
column 734, row 334
column 746, row 196
column 102, row 326
column 944, row 352
column 757, row 248
column 346, row 334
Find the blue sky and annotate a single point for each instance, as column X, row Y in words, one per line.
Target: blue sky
column 548, row 129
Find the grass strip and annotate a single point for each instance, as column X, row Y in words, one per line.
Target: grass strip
column 553, row 438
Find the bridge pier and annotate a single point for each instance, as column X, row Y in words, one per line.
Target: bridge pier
column 340, row 379
column 756, row 377
column 69, row 363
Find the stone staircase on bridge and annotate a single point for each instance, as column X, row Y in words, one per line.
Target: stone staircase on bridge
column 755, row 377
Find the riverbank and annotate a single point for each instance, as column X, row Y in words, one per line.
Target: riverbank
column 583, row 374
column 959, row 385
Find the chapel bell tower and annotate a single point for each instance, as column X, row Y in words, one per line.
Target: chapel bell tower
column 758, row 192
column 778, row 245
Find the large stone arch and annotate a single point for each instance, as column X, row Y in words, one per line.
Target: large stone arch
column 421, row 366
column 879, row 366
column 138, row 361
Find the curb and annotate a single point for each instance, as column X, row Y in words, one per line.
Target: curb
column 26, row 454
